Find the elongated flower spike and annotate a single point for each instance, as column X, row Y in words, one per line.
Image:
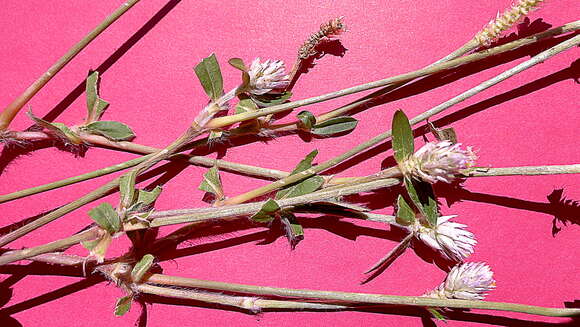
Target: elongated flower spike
column 267, row 76
column 468, row 281
column 450, row 238
column 505, row 21
column 328, row 30
column 441, row 161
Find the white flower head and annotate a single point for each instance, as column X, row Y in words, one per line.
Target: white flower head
column 468, row 281
column 448, row 237
column 440, row 161
column 267, row 76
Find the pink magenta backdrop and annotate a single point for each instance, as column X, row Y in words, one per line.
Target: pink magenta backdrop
column 146, row 65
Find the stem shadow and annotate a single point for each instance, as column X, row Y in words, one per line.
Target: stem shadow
column 564, row 211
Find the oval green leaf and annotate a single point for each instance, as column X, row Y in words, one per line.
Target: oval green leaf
column 113, row 130
column 403, row 141
column 210, row 76
column 335, row 126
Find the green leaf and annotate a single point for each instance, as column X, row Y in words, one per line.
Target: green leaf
column 335, row 125
column 148, row 197
column 403, row 141
column 238, row 64
column 443, row 134
column 306, row 186
column 123, row 305
column 113, row 130
column 59, row 129
column 209, row 74
column 305, row 163
column 212, row 183
column 405, row 214
column 271, row 99
column 142, row 267
column 306, row 120
column 127, row 188
column 437, row 314
column 245, row 105
column 106, row 217
column 421, row 193
column 294, row 231
column 266, row 213
column 95, row 105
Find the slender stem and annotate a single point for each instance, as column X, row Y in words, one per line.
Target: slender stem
column 228, row 120
column 346, row 297
column 355, row 185
column 196, row 129
column 526, row 170
column 98, row 193
column 12, row 109
column 461, row 51
column 251, row 304
column 72, row 180
column 173, row 217
column 396, row 251
column 230, row 166
column 49, row 247
column 473, row 172
column 545, row 55
column 195, row 160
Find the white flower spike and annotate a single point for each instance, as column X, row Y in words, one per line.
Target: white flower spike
column 267, row 76
column 450, row 238
column 440, row 161
column 468, row 281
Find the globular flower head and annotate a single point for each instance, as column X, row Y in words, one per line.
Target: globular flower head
column 468, row 281
column 267, row 76
column 448, row 237
column 440, row 161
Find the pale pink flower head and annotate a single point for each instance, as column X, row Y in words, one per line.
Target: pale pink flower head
column 267, row 76
column 468, row 281
column 440, row 161
column 448, row 237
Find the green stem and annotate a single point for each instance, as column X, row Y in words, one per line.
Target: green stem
column 524, row 171
column 72, row 180
column 173, row 217
column 13, row 108
column 355, row 185
column 220, row 122
column 98, row 193
column 471, row 45
column 363, row 298
column 49, row 247
column 230, row 166
column 251, row 304
column 545, row 55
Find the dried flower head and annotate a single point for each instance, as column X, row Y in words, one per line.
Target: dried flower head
column 440, row 161
column 450, row 238
column 267, row 76
column 328, row 30
column 505, row 21
column 468, row 281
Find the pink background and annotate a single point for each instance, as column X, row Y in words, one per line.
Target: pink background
column 146, row 64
